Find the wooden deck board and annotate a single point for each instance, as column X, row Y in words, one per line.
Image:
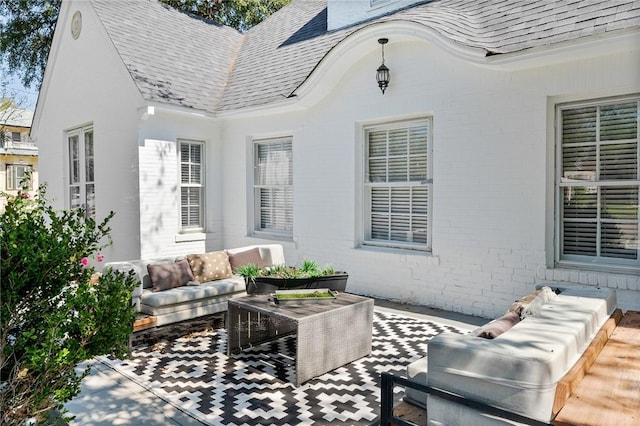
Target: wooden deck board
column 410, row 412
column 568, row 384
column 609, row 393
column 143, row 323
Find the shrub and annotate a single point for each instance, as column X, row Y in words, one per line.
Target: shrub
column 54, row 310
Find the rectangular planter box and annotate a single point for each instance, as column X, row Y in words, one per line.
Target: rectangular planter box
column 261, row 285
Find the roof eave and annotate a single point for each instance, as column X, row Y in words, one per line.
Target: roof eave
column 596, row 45
column 287, row 105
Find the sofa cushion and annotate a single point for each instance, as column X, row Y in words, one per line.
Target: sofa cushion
column 210, row 266
column 187, row 295
column 519, row 371
column 168, row 275
column 498, row 326
column 237, row 259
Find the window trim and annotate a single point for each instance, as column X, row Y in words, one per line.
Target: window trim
column 256, row 229
column 11, row 183
column 597, row 263
column 200, row 228
column 85, row 167
column 428, row 183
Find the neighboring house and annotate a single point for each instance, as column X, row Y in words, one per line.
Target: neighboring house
column 18, row 154
column 503, row 154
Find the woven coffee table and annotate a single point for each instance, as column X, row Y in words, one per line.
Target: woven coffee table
column 328, row 335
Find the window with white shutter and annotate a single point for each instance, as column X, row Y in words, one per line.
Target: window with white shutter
column 598, row 183
column 191, row 185
column 273, row 186
column 398, row 185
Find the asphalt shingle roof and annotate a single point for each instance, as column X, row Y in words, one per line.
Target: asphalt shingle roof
column 182, row 60
column 172, row 57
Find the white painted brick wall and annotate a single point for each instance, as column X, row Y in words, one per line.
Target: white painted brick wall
column 493, row 135
column 490, row 153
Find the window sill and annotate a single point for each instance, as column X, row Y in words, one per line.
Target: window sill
column 190, row 236
column 271, row 236
column 431, row 258
column 597, row 268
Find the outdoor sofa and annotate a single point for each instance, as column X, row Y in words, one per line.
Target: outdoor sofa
column 513, row 363
column 173, row 289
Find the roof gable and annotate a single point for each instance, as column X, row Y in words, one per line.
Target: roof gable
column 172, row 57
column 179, row 59
column 281, row 53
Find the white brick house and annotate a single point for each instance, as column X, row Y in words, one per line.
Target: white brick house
column 503, row 155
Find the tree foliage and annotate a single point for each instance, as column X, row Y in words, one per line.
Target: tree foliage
column 239, row 14
column 25, row 36
column 55, row 311
column 27, row 29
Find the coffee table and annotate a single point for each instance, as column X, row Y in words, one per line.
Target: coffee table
column 328, row 335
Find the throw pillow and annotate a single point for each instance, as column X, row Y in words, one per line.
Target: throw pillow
column 210, row 266
column 519, row 305
column 533, row 309
column 164, row 276
column 499, row 325
column 245, row 257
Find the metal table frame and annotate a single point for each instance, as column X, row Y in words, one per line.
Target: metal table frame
column 328, row 335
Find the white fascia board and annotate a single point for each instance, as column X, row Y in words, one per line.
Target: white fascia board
column 290, row 104
column 597, row 45
column 348, row 51
column 152, row 108
column 61, row 25
column 365, row 40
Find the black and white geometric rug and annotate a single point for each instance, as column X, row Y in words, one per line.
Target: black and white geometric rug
column 194, row 374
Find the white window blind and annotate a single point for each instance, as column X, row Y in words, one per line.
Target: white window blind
column 398, row 185
column 191, row 185
column 273, row 185
column 598, row 185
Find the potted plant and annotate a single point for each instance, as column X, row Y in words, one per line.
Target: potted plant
column 282, row 277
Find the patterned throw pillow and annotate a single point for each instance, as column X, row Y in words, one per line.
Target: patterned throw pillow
column 245, row 257
column 210, row 266
column 164, row 276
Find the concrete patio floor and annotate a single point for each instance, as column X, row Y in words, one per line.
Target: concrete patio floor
column 109, row 398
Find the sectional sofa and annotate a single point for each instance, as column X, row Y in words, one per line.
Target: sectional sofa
column 174, row 289
column 513, row 363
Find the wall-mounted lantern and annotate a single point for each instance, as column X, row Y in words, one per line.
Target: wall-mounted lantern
column 382, row 73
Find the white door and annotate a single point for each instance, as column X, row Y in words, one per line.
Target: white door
column 81, row 171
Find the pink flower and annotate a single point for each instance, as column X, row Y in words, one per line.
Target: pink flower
column 100, row 257
column 24, row 195
column 84, row 261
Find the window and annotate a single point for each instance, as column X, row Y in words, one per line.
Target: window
column 81, row 171
column 597, row 183
column 398, row 185
column 17, row 175
column 273, row 186
column 16, row 137
column 191, row 185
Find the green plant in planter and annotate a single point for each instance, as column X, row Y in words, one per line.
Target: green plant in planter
column 278, row 277
column 249, row 271
column 308, row 269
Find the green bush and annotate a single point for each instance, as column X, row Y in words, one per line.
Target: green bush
column 55, row 310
